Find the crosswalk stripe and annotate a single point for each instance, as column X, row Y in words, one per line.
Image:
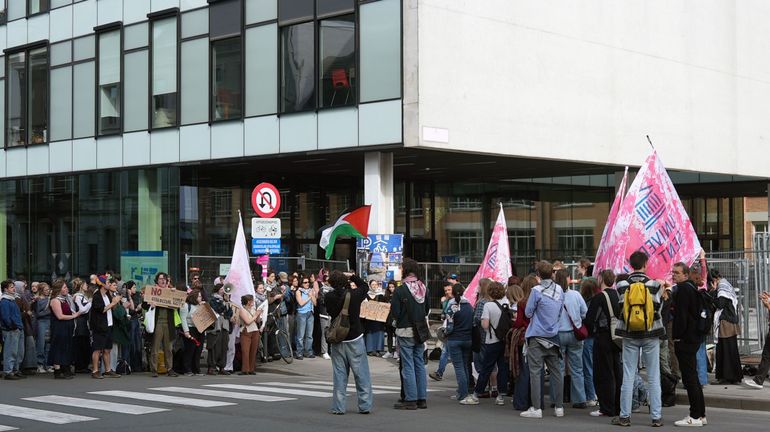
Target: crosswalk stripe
column 202, row 403
column 224, row 394
column 41, row 415
column 94, row 404
column 381, row 387
column 321, row 387
column 260, row 388
column 4, row 428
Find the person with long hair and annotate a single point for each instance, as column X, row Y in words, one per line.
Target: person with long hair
column 518, row 364
column 608, row 371
column 250, row 321
column 165, row 329
column 193, row 339
column 482, row 297
column 727, row 328
column 41, row 307
column 390, row 331
column 374, row 331
column 459, row 315
column 62, row 326
column 82, row 334
column 588, row 291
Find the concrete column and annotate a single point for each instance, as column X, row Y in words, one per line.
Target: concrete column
column 378, row 191
column 150, row 213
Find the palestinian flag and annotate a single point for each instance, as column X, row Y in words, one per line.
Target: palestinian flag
column 351, row 223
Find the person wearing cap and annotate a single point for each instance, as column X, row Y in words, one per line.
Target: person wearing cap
column 452, row 279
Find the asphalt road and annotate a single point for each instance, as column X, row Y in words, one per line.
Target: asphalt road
column 281, row 398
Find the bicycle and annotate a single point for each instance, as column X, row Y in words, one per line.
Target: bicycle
column 281, row 337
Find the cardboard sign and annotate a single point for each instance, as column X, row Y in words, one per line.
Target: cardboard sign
column 375, row 311
column 165, row 297
column 203, row 317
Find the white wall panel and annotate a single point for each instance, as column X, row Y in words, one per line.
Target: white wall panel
column 136, row 149
column 299, row 132
column 38, row 28
column 60, row 156
column 109, row 11
column 16, row 162
column 379, row 123
column 164, row 146
column 158, row 5
column 2, row 163
column 61, row 24
column 226, row 140
column 338, row 128
column 195, row 142
column 262, row 135
column 192, row 4
column 84, row 18
column 17, row 33
column 3, row 38
column 109, row 152
column 37, row 160
column 135, row 10
column 84, row 154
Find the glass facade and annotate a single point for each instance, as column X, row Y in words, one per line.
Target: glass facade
column 164, row 72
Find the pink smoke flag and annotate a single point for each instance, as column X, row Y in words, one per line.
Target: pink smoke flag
column 603, row 259
column 240, row 272
column 497, row 260
column 652, row 219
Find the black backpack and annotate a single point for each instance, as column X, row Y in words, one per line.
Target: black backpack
column 505, row 323
column 707, row 309
column 123, row 367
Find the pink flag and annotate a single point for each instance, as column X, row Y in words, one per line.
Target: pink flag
column 602, row 260
column 652, row 220
column 240, row 272
column 497, row 261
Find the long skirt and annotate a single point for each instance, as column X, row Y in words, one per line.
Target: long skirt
column 375, row 341
column 61, row 342
column 728, row 360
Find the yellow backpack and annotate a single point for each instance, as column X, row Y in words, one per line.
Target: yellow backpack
column 638, row 310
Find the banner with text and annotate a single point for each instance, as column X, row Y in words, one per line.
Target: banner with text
column 497, row 261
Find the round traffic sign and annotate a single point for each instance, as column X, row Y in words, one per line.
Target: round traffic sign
column 266, row 200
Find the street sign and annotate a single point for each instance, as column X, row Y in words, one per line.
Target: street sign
column 267, row 228
column 266, row 200
column 261, row 246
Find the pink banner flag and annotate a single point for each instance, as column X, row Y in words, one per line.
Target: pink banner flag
column 652, row 220
column 240, row 272
column 603, row 259
column 497, row 260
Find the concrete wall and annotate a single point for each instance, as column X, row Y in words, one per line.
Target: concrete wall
column 588, row 80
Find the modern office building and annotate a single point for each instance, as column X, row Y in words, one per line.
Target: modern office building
column 143, row 125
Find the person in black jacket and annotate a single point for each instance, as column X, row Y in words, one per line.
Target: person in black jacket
column 349, row 354
column 687, row 340
column 101, row 321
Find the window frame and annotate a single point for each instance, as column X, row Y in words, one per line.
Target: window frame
column 357, row 30
column 211, row 40
column 4, row 9
column 98, row 32
column 42, row 11
column 154, row 17
column 26, row 49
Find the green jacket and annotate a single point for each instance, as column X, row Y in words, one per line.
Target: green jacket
column 120, row 325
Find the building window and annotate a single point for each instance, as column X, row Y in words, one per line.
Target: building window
column 466, row 244
column 226, row 79
column 221, row 204
column 109, row 85
column 464, row 204
column 37, row 6
column 297, row 61
column 521, row 241
column 759, row 227
column 3, row 11
column 27, row 97
column 578, row 240
column 164, row 73
column 338, row 61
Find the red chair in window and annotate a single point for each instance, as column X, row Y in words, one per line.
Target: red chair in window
column 340, row 82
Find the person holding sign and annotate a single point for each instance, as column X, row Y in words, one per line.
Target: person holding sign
column 193, row 339
column 163, row 333
column 374, row 331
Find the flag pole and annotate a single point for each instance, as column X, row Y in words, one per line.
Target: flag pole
column 650, row 141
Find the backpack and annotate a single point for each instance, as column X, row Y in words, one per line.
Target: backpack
column 505, row 323
column 340, row 326
column 123, row 367
column 638, row 309
column 617, row 340
column 707, row 309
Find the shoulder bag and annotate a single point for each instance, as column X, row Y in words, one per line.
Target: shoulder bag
column 340, row 326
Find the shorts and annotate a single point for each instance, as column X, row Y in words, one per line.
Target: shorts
column 101, row 341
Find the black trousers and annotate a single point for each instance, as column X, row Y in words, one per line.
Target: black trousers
column 764, row 364
column 608, row 374
column 192, row 352
column 685, row 353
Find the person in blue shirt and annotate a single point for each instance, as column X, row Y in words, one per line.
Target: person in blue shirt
column 306, row 297
column 13, row 332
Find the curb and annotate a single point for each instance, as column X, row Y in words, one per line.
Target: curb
column 713, row 401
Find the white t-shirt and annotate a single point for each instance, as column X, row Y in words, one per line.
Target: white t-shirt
column 109, row 311
column 492, row 313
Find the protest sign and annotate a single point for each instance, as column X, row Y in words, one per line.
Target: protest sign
column 375, row 311
column 165, row 297
column 651, row 219
column 203, row 317
column 497, row 260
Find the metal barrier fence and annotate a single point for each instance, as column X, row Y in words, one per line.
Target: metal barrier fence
column 211, row 267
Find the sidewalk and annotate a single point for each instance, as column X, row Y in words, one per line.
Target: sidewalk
column 730, row 396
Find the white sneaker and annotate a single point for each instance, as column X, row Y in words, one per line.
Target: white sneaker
column 704, row 421
column 689, row 422
column 558, row 412
column 49, row 369
column 387, row 355
column 592, row 403
column 500, row 400
column 750, row 383
column 532, row 413
column 470, row 400
column 326, row 356
column 40, row 369
column 597, row 413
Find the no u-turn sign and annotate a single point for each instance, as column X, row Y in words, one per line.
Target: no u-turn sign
column 266, row 200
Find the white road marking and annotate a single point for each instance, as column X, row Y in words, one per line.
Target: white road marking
column 224, row 394
column 381, row 387
column 260, row 388
column 201, row 403
column 96, row 404
column 42, row 415
column 321, row 387
column 4, row 428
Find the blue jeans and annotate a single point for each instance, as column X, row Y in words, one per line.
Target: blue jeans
column 460, row 353
column 442, row 362
column 650, row 348
column 304, row 328
column 413, row 370
column 588, row 368
column 347, row 356
column 42, row 344
column 702, row 363
column 572, row 350
column 135, row 345
column 283, row 324
column 13, row 350
column 491, row 355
